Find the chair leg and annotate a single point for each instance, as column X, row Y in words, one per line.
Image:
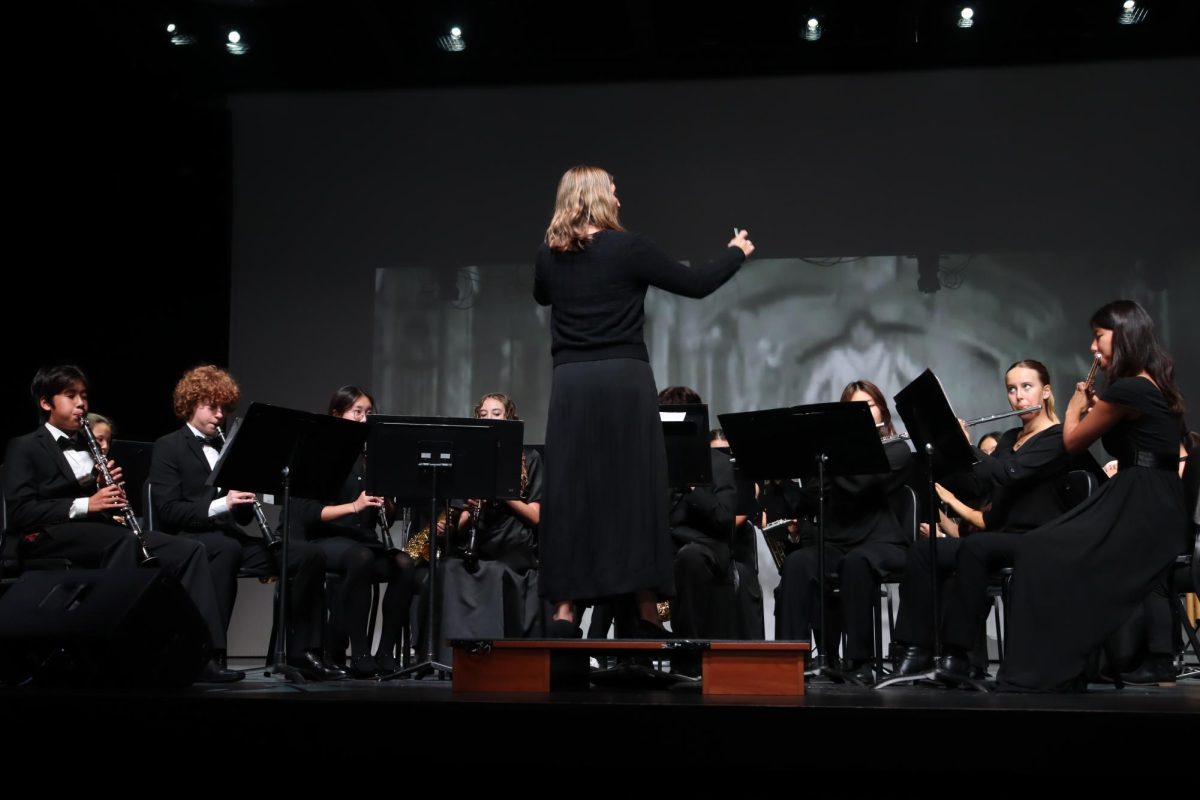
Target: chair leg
column 892, row 655
column 877, row 618
column 372, row 617
column 1180, row 614
column 274, row 627
column 997, row 608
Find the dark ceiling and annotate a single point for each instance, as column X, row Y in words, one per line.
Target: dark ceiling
column 309, row 45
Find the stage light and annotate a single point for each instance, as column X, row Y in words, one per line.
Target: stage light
column 236, row 46
column 454, row 42
column 178, row 37
column 1131, row 13
column 966, row 18
column 813, row 30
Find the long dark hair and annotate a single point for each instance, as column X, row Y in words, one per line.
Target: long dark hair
column 885, row 414
column 1135, row 349
column 345, row 397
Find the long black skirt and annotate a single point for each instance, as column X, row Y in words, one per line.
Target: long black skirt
column 1077, row 579
column 604, row 527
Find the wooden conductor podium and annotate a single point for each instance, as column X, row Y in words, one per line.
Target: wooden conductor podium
column 545, row 665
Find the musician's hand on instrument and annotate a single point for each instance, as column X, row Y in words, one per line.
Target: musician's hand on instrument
column 945, row 494
column 116, row 472
column 106, row 499
column 235, row 498
column 1110, row 469
column 365, row 500
column 1088, row 391
column 441, row 527
column 962, row 423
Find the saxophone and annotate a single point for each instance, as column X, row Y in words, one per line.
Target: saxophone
column 417, row 545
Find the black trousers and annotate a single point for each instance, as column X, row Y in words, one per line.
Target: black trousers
column 361, row 566
column 914, row 623
column 979, row 556
column 228, row 554
column 699, row 609
column 109, row 546
column 859, row 572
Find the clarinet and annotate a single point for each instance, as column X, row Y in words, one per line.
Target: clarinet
column 272, row 540
column 385, row 530
column 470, row 553
column 126, row 511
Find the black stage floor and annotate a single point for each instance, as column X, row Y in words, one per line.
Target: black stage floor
column 834, row 729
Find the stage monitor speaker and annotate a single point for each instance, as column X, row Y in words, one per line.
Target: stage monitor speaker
column 111, row 627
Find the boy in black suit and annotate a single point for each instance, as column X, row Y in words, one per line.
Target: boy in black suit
column 185, row 505
column 59, row 509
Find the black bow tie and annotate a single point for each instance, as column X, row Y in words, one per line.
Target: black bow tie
column 210, row 441
column 71, row 443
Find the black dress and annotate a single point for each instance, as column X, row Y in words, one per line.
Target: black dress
column 497, row 596
column 604, row 526
column 1078, row 578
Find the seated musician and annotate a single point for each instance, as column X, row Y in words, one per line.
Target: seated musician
column 344, row 529
column 1021, row 475
column 187, row 506
column 863, row 541
column 59, row 506
column 490, row 591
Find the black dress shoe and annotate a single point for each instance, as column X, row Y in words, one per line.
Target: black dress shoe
column 916, row 660
column 387, row 663
column 364, row 666
column 1156, row 670
column 954, row 667
column 862, row 674
column 213, row 672
column 313, row 668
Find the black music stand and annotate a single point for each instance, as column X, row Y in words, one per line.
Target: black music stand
column 441, row 458
column 937, row 434
column 283, row 451
column 689, row 462
column 839, row 438
column 134, row 458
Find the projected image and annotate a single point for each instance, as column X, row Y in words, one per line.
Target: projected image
column 782, row 332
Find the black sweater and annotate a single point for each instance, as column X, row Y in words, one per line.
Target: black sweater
column 1023, row 483
column 597, row 293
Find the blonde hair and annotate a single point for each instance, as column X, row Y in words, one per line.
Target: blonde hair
column 585, row 197
column 1043, row 376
